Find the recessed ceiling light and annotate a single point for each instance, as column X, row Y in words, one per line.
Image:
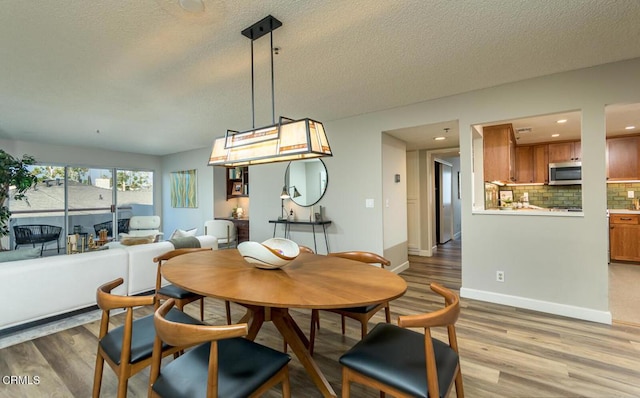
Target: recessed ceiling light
column 440, row 138
column 630, row 127
column 555, row 135
column 562, row 121
column 194, row 6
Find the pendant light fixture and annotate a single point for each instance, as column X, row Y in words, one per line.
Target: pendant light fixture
column 285, row 140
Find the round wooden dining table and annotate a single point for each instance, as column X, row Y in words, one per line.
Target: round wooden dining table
column 310, row 281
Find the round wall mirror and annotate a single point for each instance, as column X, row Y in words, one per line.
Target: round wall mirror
column 306, row 181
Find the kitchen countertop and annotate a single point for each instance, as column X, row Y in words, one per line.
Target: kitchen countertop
column 623, row 211
column 530, row 212
column 547, row 212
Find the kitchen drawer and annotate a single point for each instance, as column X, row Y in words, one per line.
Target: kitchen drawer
column 623, row 219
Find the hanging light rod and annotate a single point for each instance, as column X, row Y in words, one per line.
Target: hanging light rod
column 285, row 140
column 266, row 25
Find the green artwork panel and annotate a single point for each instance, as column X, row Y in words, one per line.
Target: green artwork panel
column 184, row 186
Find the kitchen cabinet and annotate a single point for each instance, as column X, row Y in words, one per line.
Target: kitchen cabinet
column 541, row 164
column 532, row 164
column 237, row 182
column 524, row 164
column 565, row 152
column 624, row 237
column 499, row 153
column 622, row 158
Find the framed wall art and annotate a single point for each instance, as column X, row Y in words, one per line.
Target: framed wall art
column 506, row 198
column 184, row 188
column 237, row 188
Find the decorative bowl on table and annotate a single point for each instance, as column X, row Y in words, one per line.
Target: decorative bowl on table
column 271, row 254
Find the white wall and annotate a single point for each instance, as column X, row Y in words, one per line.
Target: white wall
column 413, row 203
column 556, row 264
column 394, row 196
column 187, row 218
column 354, row 174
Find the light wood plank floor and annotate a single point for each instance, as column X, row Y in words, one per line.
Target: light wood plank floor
column 506, row 352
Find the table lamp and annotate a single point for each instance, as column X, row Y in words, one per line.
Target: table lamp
column 285, row 195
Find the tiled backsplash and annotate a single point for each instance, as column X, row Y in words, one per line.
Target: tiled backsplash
column 548, row 195
column 563, row 195
column 617, row 194
column 490, row 195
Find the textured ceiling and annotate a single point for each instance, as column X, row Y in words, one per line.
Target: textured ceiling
column 155, row 79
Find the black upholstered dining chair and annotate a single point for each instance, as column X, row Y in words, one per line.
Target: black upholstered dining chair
column 181, row 296
column 361, row 314
column 127, row 348
column 405, row 363
column 221, row 364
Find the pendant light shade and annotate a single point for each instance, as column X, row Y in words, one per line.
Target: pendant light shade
column 286, row 140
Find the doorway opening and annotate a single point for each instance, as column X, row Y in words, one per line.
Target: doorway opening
column 443, row 199
column 424, row 145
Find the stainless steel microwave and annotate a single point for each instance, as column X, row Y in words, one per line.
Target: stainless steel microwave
column 566, row 173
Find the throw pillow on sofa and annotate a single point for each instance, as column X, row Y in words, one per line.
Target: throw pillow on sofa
column 20, row 254
column 180, row 233
column 137, row 240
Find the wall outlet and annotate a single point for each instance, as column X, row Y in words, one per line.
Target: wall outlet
column 500, row 276
column 630, row 194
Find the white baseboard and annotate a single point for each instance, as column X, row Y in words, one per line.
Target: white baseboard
column 418, row 252
column 570, row 311
column 400, row 268
column 457, row 235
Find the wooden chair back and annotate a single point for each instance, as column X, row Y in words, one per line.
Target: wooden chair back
column 445, row 317
column 361, row 316
column 363, row 257
column 181, row 302
column 184, row 336
column 306, row 249
column 361, row 366
column 125, row 369
column 169, row 255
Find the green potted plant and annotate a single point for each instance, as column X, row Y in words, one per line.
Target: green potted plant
column 15, row 175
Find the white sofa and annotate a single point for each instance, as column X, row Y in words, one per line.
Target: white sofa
column 44, row 287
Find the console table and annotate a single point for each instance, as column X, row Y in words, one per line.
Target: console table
column 288, row 224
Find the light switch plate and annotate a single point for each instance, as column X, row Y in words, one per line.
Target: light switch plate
column 368, row 203
column 630, row 194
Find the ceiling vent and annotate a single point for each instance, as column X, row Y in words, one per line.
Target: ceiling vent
column 523, row 130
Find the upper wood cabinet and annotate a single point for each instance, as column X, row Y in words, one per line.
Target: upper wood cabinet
column 532, row 164
column 524, row 164
column 622, row 158
column 565, row 152
column 499, row 153
column 541, row 163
